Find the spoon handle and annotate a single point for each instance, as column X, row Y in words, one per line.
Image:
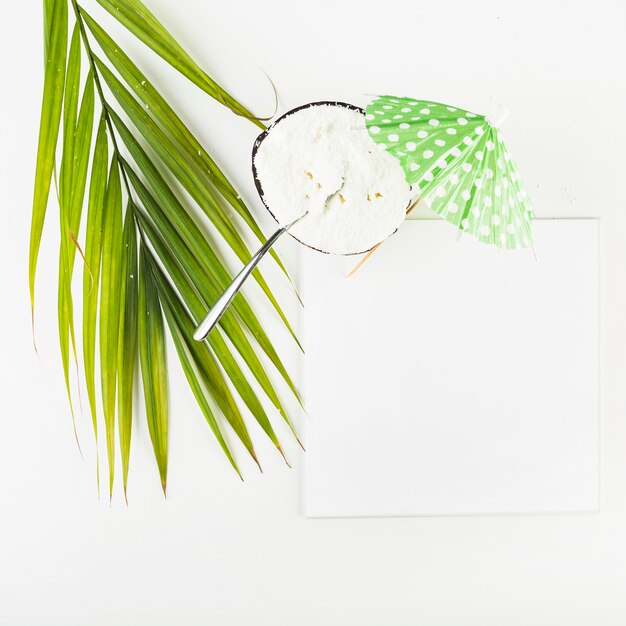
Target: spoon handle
column 221, row 304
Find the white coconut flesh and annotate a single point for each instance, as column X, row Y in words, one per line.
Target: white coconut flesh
column 320, row 161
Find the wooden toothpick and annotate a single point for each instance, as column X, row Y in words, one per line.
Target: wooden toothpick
column 369, row 254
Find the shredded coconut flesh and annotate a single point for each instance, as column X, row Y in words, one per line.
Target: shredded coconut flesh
column 320, row 161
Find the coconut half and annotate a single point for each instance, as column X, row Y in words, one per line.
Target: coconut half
column 319, row 160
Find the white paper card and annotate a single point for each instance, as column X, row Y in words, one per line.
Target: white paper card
column 445, row 378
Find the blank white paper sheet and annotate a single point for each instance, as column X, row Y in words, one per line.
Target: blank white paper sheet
column 448, row 378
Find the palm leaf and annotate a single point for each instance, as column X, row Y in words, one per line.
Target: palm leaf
column 167, row 117
column 64, row 298
column 56, row 51
column 77, row 144
column 48, row 10
column 127, row 346
column 153, row 363
column 82, row 151
column 112, row 259
column 91, row 272
column 144, row 25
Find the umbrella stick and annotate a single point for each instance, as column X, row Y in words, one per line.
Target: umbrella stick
column 369, row 254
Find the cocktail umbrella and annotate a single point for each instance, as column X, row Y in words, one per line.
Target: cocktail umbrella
column 458, row 163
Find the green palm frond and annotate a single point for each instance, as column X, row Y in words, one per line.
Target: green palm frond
column 148, row 267
column 171, row 122
column 55, row 39
column 144, row 25
column 91, row 271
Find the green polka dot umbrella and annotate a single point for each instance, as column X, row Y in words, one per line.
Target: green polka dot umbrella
column 457, row 162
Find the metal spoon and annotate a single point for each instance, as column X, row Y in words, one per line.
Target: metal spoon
column 221, row 304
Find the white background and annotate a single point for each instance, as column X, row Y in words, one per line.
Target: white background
column 228, row 553
column 466, row 383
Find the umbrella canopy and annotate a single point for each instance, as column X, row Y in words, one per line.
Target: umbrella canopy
column 458, row 163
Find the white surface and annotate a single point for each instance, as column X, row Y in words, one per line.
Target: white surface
column 443, row 379
column 227, row 553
